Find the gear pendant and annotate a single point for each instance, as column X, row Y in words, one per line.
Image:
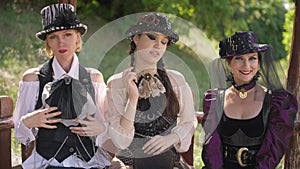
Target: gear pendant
column 243, row 93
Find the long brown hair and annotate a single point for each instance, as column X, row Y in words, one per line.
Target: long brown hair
column 172, row 106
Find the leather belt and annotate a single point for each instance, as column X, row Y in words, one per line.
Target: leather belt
column 240, row 155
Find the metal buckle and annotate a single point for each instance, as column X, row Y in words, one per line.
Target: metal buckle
column 239, row 156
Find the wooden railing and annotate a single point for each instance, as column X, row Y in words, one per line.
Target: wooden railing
column 6, row 124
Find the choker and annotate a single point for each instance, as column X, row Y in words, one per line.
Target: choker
column 242, row 89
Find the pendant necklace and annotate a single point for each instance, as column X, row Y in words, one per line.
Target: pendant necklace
column 242, row 89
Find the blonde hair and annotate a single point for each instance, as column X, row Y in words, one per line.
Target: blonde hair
column 50, row 52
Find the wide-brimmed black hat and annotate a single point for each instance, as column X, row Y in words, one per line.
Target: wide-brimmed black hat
column 59, row 17
column 240, row 43
column 153, row 22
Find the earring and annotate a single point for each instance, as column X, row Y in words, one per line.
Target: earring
column 51, row 53
column 256, row 76
column 78, row 48
column 230, row 77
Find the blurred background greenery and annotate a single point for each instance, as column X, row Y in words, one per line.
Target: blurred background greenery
column 272, row 21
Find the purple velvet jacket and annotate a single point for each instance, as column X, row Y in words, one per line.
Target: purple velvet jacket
column 279, row 130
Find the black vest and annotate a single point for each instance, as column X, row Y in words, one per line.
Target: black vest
column 60, row 142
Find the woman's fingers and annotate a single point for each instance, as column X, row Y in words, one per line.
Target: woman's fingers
column 40, row 117
column 52, row 115
column 50, row 109
column 89, row 127
column 129, row 76
column 49, row 118
column 52, row 121
column 49, row 126
column 82, row 131
column 157, row 144
column 151, row 146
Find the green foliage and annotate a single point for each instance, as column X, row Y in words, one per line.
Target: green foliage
column 110, row 10
column 223, row 18
column 198, row 163
column 87, row 7
column 18, row 50
column 216, row 18
column 271, row 19
column 178, row 7
column 288, row 28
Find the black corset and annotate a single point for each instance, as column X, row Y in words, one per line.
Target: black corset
column 245, row 132
column 241, row 132
column 152, row 119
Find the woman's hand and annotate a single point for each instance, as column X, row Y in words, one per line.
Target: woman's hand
column 118, row 164
column 90, row 127
column 158, row 144
column 42, row 118
column 130, row 79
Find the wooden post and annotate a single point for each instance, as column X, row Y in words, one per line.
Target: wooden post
column 6, row 123
column 292, row 159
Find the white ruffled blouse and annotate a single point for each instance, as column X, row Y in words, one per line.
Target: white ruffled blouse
column 186, row 121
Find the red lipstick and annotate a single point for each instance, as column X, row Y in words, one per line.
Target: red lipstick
column 63, row 51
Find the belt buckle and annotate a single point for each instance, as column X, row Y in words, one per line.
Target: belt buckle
column 239, row 156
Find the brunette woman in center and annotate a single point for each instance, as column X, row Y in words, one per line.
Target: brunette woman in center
column 152, row 115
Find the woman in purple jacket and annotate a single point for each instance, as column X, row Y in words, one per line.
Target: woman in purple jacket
column 249, row 124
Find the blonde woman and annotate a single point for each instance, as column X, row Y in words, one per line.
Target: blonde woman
column 61, row 104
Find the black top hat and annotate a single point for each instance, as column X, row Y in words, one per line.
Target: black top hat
column 59, row 17
column 240, row 43
column 153, row 22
